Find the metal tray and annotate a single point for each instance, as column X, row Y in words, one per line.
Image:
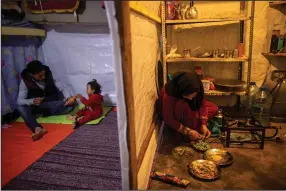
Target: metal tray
column 204, row 163
column 230, row 85
column 218, row 156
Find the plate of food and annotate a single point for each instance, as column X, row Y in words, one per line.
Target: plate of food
column 181, row 151
column 218, row 156
column 204, row 169
column 200, row 145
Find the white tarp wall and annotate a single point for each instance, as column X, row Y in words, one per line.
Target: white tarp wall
column 145, row 53
column 78, row 58
column 121, row 109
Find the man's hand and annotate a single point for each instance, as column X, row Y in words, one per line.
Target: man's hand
column 70, row 101
column 79, row 96
column 194, row 135
column 205, row 131
column 38, row 100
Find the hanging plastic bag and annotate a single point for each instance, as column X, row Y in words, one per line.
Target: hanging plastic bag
column 173, row 53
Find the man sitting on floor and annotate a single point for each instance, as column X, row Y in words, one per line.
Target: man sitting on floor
column 39, row 93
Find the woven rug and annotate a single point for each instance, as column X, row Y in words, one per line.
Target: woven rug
column 89, row 158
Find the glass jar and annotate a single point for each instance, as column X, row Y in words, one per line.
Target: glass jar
column 187, row 53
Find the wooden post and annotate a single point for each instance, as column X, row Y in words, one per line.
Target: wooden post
column 123, row 18
column 145, row 144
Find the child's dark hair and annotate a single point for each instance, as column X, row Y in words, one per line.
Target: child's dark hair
column 95, row 86
column 35, row 67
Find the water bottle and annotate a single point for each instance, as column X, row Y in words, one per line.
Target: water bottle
column 253, row 89
column 260, row 107
column 219, row 119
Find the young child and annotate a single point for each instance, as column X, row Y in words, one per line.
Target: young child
column 93, row 105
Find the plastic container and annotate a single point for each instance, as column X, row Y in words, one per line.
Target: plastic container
column 253, row 89
column 260, row 107
column 206, row 84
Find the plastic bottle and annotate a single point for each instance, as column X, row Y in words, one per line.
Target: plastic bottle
column 253, row 89
column 170, row 10
column 260, row 107
column 219, row 118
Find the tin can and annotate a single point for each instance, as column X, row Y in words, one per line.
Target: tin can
column 215, row 53
column 235, row 53
column 226, row 53
column 187, row 53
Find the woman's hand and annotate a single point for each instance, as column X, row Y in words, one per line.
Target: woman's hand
column 194, row 135
column 205, row 131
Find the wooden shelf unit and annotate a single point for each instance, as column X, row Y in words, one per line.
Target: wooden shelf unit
column 240, row 61
column 195, row 59
column 206, row 20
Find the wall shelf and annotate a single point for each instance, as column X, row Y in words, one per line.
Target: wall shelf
column 276, row 3
column 22, row 31
column 206, row 20
column 195, row 59
column 221, row 93
column 214, row 21
column 271, row 54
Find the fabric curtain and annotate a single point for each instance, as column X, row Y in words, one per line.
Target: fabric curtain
column 17, row 52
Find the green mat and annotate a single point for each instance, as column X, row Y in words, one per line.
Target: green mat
column 62, row 119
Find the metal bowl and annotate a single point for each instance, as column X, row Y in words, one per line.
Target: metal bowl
column 218, row 156
column 181, row 151
column 193, row 169
column 200, row 145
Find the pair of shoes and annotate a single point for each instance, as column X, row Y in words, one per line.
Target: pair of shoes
column 39, row 135
column 75, row 125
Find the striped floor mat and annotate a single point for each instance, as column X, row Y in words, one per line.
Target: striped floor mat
column 89, row 158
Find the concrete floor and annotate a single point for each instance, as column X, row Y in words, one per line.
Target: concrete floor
column 253, row 168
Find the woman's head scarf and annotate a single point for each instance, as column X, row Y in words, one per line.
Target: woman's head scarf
column 183, row 84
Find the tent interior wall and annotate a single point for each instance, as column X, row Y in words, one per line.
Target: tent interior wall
column 86, row 43
column 145, row 54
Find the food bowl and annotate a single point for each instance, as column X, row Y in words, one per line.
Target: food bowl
column 218, row 156
column 204, row 170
